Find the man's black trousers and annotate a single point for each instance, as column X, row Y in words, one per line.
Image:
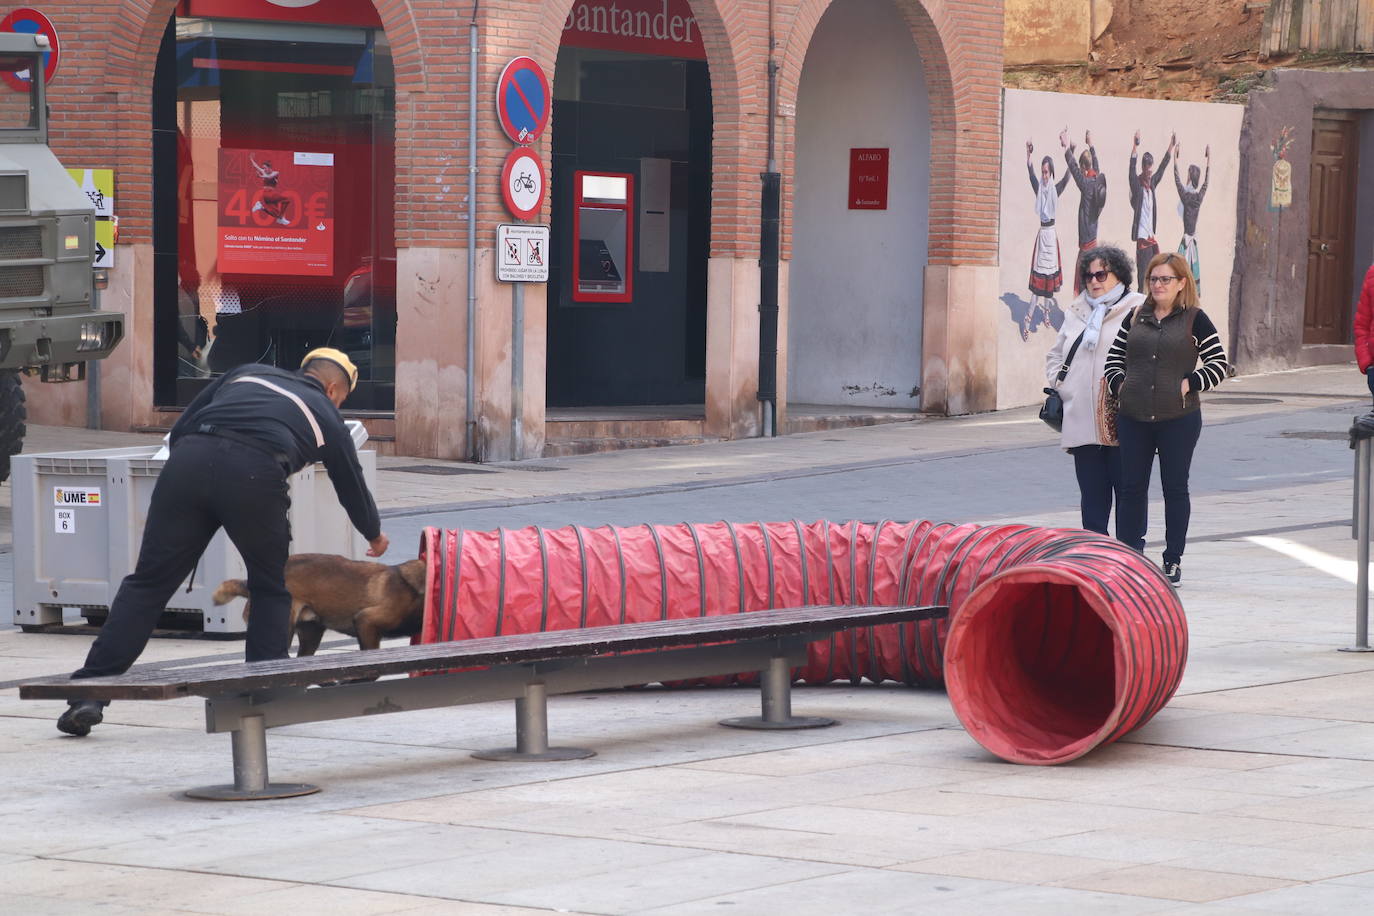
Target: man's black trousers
column 207, row 483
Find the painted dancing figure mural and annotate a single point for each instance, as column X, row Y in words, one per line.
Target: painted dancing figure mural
column 1144, row 206
column 273, row 202
column 1046, row 274
column 1190, row 200
column 1092, row 197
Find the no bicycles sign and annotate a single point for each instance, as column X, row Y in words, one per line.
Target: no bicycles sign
column 522, row 183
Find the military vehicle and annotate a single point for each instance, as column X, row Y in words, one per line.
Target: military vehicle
column 50, row 319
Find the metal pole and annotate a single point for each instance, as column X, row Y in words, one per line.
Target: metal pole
column 250, row 755
column 777, row 691
column 1358, row 495
column 470, row 418
column 770, row 220
column 532, row 720
column 517, row 371
column 532, row 731
column 1362, row 474
column 249, row 743
column 93, row 419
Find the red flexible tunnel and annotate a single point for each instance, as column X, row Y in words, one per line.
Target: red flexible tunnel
column 1058, row 640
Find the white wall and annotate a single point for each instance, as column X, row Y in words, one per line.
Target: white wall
column 1039, row 117
column 854, row 320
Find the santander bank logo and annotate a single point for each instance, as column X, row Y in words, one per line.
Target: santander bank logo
column 646, row 26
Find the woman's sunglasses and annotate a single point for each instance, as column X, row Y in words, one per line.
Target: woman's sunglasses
column 1100, row 276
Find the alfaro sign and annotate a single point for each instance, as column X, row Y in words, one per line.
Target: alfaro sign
column 663, row 27
column 868, row 179
column 324, row 12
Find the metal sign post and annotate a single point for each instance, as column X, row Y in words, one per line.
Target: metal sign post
column 523, row 106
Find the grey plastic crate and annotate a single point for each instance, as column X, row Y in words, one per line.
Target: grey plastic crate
column 70, row 553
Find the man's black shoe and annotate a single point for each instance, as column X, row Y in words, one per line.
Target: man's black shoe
column 1173, row 573
column 81, row 717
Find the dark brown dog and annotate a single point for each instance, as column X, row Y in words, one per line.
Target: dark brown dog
column 368, row 600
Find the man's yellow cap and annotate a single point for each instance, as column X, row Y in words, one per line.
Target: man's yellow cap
column 338, row 358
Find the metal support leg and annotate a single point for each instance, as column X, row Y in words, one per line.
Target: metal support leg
column 249, row 743
column 532, row 732
column 1362, row 475
column 776, row 684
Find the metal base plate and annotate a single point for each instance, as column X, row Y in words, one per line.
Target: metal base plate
column 233, row 793
column 553, row 753
column 762, row 724
column 1357, row 649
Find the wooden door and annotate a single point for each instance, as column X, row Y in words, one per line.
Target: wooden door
column 1331, row 239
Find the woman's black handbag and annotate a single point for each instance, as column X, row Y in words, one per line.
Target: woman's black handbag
column 1052, row 411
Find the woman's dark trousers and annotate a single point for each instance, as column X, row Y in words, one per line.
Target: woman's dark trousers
column 1098, row 469
column 1174, row 441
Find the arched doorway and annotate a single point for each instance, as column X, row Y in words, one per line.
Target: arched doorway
column 273, row 194
column 631, row 207
column 859, row 241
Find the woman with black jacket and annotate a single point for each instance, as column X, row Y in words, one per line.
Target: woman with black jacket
column 1153, row 369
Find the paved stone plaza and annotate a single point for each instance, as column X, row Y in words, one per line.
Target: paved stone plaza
column 1252, row 792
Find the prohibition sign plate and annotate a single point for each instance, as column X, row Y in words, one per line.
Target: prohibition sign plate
column 523, row 100
column 32, row 22
column 522, row 182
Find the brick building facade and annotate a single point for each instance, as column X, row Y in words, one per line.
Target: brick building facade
column 105, row 116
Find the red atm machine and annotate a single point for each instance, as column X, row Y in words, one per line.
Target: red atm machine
column 603, row 226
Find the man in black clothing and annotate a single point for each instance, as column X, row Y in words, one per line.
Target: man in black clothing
column 1144, row 207
column 231, row 454
column 1092, row 197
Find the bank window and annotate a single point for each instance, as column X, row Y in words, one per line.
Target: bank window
column 285, row 240
column 603, row 268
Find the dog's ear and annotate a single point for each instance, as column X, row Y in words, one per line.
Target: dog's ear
column 413, row 573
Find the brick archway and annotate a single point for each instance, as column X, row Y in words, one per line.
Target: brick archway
column 963, row 71
column 960, row 45
column 131, row 57
column 727, row 41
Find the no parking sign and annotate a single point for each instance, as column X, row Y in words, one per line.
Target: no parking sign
column 523, row 100
column 31, row 22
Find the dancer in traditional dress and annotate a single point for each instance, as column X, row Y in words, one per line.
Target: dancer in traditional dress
column 1046, row 274
column 1190, row 198
column 1092, row 197
column 1144, row 209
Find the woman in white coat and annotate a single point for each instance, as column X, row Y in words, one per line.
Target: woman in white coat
column 1092, row 321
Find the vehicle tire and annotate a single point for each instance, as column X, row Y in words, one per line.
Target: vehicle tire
column 12, row 416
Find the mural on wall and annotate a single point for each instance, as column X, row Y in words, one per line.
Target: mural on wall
column 1046, row 274
column 1190, row 197
column 1139, row 174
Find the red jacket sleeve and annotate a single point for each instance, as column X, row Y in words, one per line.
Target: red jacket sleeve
column 1364, row 323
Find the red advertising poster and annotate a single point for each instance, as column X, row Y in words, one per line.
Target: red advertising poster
column 663, row 27
column 276, row 212
column 868, row 179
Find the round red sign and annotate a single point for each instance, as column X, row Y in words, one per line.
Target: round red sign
column 522, row 183
column 32, row 22
column 523, row 100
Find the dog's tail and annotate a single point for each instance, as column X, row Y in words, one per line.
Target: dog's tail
column 230, row 589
